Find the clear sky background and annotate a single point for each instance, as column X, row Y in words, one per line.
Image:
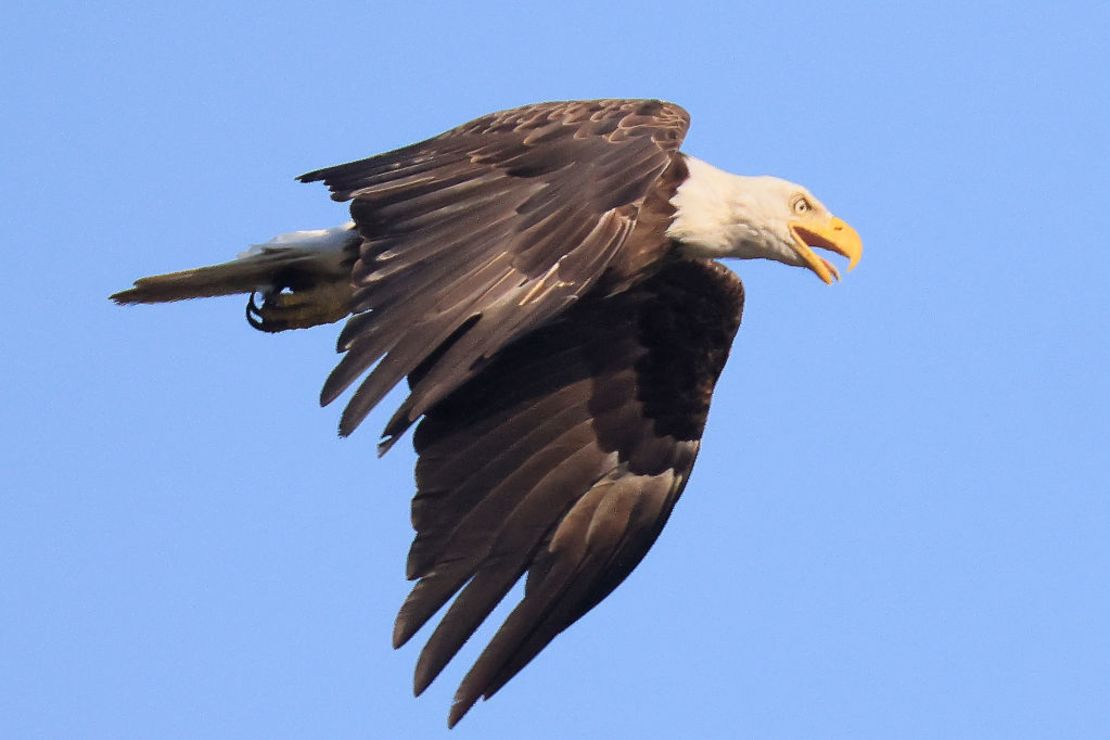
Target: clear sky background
column 900, row 522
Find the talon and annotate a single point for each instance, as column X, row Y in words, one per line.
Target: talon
column 270, row 315
column 276, row 310
column 254, row 312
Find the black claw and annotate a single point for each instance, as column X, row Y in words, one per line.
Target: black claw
column 261, row 316
column 254, row 313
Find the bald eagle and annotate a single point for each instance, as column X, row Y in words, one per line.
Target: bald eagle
column 544, row 278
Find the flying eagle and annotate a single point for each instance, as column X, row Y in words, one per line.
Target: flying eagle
column 544, row 278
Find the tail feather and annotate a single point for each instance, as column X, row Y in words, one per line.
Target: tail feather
column 261, row 272
column 304, row 277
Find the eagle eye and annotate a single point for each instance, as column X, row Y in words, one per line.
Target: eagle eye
column 801, row 205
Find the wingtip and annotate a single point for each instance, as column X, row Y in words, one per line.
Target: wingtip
column 399, row 636
column 321, row 176
column 331, row 390
column 386, row 444
column 459, row 708
column 347, row 426
column 423, row 676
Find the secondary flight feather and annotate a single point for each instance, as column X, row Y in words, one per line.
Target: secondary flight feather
column 545, row 280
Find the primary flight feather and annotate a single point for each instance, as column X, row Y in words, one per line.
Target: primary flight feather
column 544, row 278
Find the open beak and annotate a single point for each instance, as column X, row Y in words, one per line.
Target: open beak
column 833, row 235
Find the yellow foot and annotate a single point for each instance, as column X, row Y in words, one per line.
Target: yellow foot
column 279, row 311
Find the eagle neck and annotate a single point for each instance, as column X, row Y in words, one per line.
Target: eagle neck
column 713, row 214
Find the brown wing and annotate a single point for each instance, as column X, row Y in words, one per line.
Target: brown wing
column 478, row 236
column 562, row 458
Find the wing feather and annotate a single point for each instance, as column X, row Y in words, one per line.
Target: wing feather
column 484, row 233
column 508, row 558
column 561, row 459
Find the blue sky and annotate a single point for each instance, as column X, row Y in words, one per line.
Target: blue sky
column 899, row 525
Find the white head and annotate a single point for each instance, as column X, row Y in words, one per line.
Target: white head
column 719, row 214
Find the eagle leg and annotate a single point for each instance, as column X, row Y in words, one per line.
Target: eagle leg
column 280, row 310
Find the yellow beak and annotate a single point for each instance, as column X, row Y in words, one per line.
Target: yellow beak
column 831, row 234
